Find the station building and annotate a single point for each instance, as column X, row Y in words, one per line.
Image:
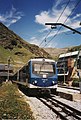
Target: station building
column 67, row 63
column 6, row 72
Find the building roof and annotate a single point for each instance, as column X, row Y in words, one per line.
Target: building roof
column 42, row 59
column 5, row 67
column 69, row 54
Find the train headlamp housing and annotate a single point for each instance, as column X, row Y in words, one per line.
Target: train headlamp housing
column 35, row 82
column 53, row 82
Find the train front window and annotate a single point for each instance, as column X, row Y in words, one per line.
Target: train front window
column 46, row 68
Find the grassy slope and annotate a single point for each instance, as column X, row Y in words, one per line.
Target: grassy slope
column 18, row 49
column 3, row 55
column 17, row 60
column 12, row 105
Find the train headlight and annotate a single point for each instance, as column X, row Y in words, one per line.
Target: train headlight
column 35, row 82
column 53, row 82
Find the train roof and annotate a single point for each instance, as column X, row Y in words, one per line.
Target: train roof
column 69, row 54
column 42, row 59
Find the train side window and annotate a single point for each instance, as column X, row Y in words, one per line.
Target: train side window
column 54, row 68
column 27, row 68
column 24, row 70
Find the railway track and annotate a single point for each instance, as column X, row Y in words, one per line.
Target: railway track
column 61, row 109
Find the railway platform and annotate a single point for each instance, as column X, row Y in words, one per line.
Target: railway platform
column 69, row 94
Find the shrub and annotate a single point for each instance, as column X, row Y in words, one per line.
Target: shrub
column 75, row 82
column 13, row 42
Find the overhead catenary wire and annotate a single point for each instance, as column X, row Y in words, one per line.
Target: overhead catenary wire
column 56, row 22
column 45, row 38
column 63, row 23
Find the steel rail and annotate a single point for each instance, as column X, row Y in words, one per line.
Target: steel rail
column 67, row 110
column 64, row 109
column 54, row 110
column 67, row 106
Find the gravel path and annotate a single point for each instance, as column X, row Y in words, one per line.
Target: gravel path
column 42, row 112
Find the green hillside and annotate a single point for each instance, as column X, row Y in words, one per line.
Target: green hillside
column 20, row 51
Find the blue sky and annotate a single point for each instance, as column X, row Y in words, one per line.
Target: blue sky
column 27, row 18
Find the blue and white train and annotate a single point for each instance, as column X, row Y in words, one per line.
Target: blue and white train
column 40, row 75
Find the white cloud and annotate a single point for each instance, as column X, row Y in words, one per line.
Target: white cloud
column 2, row 18
column 53, row 14
column 34, row 40
column 44, row 17
column 57, row 3
column 11, row 17
column 38, row 42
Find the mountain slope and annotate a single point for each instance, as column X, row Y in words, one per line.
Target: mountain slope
column 55, row 52
column 19, row 50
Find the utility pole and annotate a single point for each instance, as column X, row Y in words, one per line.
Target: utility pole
column 8, row 68
column 18, row 75
column 55, row 24
column 64, row 74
